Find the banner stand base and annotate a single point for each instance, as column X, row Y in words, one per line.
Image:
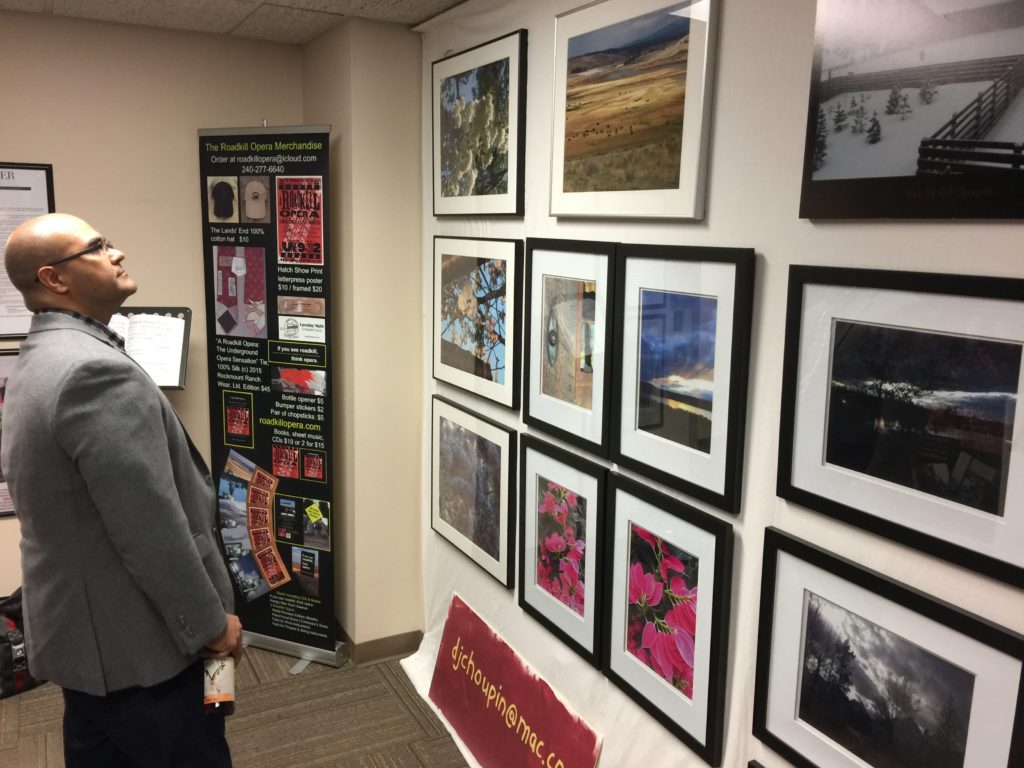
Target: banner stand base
column 334, row 658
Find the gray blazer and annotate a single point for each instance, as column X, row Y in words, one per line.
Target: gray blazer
column 123, row 581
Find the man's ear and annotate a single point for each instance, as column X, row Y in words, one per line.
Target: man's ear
column 51, row 280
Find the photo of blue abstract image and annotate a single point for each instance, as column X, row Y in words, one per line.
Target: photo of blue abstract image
column 676, row 377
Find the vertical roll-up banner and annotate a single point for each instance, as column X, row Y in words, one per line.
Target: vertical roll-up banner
column 266, row 242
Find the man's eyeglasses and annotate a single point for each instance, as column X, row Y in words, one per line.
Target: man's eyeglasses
column 100, row 244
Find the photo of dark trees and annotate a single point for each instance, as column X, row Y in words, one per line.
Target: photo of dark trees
column 469, row 485
column 929, row 411
column 886, row 700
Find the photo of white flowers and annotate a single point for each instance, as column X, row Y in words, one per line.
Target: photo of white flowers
column 478, row 106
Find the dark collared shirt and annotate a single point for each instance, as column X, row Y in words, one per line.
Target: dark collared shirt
column 112, row 335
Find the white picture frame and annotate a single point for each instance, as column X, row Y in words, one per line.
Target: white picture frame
column 670, row 156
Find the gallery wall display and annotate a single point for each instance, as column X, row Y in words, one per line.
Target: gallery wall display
column 915, row 111
column 568, row 340
column 26, row 191
column 665, row 648
column 632, row 109
column 855, row 669
column 476, row 316
column 682, row 317
column 479, row 118
column 473, row 463
column 561, row 525
column 899, row 409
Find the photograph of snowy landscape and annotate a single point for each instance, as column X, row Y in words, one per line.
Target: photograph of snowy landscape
column 922, row 97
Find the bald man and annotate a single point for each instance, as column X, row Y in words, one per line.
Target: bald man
column 124, row 586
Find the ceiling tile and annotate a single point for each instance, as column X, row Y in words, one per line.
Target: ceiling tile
column 285, row 25
column 399, row 11
column 286, row 21
column 194, row 15
column 33, row 6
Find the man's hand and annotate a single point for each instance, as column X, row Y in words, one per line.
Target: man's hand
column 228, row 642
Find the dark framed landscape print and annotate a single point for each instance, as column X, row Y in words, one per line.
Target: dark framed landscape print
column 682, row 318
column 899, row 409
column 854, row 669
column 476, row 316
column 479, row 114
column 915, row 110
column 561, row 522
column 567, row 364
column 667, row 621
column 472, row 496
column 632, row 108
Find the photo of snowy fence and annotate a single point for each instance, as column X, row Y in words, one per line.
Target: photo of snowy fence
column 928, row 90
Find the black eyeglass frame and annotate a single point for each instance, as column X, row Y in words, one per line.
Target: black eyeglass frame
column 99, row 245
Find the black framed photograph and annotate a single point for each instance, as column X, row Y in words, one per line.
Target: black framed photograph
column 561, row 524
column 899, row 412
column 476, row 316
column 632, row 109
column 479, row 118
column 666, row 647
column 473, row 461
column 682, row 318
column 8, row 359
column 913, row 111
column 855, row 669
column 568, row 332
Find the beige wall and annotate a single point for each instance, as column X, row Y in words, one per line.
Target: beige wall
column 115, row 108
column 363, row 78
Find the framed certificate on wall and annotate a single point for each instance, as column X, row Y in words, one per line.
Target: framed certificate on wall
column 26, row 191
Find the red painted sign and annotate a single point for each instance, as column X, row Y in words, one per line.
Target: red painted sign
column 503, row 711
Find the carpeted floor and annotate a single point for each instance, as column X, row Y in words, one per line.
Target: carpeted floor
column 353, row 717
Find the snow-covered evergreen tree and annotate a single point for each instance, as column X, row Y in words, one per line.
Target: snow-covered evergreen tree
column 874, row 129
column 839, row 118
column 892, row 105
column 905, row 108
column 820, row 139
column 858, row 115
column 927, row 93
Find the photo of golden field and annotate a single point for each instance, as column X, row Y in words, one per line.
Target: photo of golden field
column 625, row 99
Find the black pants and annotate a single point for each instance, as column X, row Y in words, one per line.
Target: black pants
column 162, row 726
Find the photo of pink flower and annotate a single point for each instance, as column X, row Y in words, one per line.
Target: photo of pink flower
column 561, row 533
column 661, row 616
